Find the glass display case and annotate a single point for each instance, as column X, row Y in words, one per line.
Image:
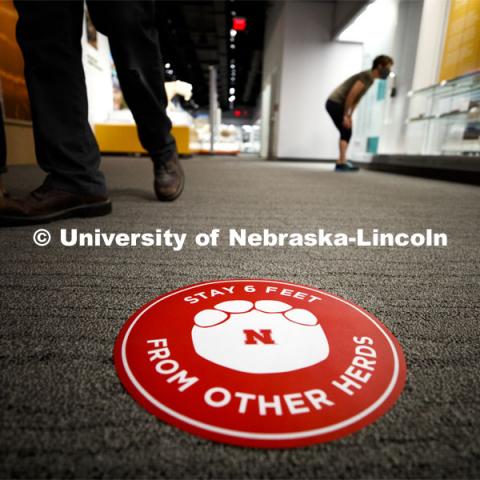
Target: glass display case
column 444, row 119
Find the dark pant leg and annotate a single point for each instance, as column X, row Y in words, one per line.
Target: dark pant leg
column 336, row 112
column 134, row 43
column 3, row 145
column 49, row 34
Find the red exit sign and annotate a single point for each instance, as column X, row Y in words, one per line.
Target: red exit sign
column 239, row 24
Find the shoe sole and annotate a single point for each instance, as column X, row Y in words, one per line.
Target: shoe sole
column 81, row 211
column 175, row 195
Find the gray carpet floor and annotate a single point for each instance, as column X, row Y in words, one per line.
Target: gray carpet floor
column 65, row 413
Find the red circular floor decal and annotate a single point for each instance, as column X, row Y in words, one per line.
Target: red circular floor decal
column 260, row 363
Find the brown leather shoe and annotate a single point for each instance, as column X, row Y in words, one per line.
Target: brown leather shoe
column 46, row 205
column 3, row 190
column 169, row 179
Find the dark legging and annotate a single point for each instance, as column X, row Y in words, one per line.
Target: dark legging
column 336, row 111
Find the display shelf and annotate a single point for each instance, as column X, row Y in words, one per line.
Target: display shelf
column 458, row 113
column 446, row 115
column 472, row 78
column 445, row 118
column 420, row 118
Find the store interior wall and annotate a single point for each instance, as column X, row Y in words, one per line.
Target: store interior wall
column 404, row 50
column 378, row 36
column 311, row 67
column 271, row 73
column 416, row 46
column 430, row 43
column 397, row 35
column 375, row 29
column 433, row 26
column 345, row 12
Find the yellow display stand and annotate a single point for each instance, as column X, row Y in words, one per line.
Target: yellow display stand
column 123, row 138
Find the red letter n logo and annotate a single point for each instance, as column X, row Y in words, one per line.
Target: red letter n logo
column 262, row 336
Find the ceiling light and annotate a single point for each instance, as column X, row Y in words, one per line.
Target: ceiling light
column 232, row 91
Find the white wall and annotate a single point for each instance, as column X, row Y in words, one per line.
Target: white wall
column 386, row 118
column 310, row 67
column 98, row 78
column 398, row 37
column 430, row 42
column 271, row 77
column 392, row 136
column 345, row 13
column 379, row 35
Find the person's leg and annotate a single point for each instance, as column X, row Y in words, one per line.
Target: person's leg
column 134, row 43
column 133, row 37
column 342, row 163
column 343, row 145
column 49, row 34
column 335, row 110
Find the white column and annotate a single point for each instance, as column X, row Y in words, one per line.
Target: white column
column 430, row 42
